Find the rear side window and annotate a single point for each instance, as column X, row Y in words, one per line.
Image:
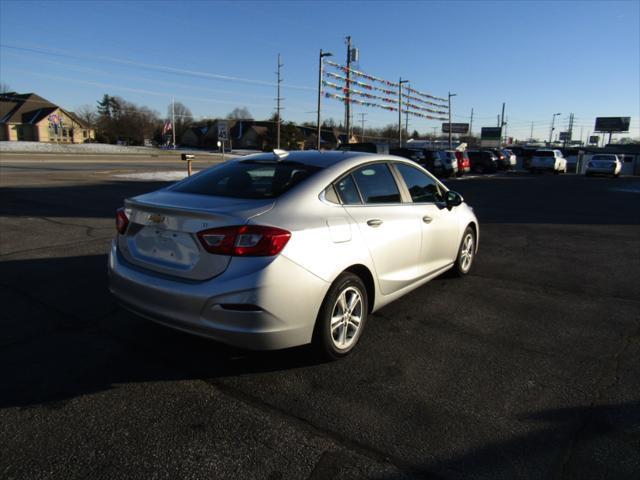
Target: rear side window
column 348, row 191
column 376, row 184
column 422, row 187
column 542, row 153
column 247, row 179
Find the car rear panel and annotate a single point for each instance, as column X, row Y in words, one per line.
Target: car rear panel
column 163, row 226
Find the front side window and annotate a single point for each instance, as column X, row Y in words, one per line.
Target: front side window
column 376, row 184
column 422, row 187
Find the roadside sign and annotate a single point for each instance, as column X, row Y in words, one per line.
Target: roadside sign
column 223, row 131
column 594, row 139
column 462, row 128
column 612, row 124
column 564, row 136
column 490, row 133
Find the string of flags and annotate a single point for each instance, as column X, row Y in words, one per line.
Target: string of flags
column 411, row 104
column 388, row 83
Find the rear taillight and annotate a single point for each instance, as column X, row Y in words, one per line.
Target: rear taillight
column 244, row 241
column 122, row 221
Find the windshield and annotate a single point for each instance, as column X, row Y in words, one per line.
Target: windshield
column 603, row 157
column 247, row 179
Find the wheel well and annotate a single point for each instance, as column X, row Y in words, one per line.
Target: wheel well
column 475, row 232
column 366, row 277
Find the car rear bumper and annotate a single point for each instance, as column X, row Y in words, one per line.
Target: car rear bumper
column 268, row 308
column 605, row 170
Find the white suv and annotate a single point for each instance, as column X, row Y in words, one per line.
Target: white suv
column 548, row 160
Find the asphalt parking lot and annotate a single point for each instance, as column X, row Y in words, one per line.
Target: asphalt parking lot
column 528, row 368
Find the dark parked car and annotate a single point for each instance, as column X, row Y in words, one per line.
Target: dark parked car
column 503, row 162
column 368, row 147
column 483, row 161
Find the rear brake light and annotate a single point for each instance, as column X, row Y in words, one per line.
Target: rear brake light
column 246, row 240
column 122, row 221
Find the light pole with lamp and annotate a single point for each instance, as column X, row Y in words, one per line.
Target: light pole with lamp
column 553, row 121
column 450, row 140
column 322, row 55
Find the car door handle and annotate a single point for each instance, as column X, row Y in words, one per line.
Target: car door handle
column 427, row 219
column 374, row 222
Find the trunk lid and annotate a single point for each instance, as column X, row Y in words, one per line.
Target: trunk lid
column 163, row 227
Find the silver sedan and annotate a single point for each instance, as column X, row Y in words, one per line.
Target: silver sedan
column 283, row 249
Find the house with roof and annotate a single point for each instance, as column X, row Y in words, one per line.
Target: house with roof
column 29, row 117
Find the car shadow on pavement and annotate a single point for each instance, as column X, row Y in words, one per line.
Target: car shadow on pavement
column 63, row 335
column 74, row 200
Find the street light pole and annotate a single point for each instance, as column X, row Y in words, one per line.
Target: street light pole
column 322, row 55
column 553, row 121
column 400, row 82
column 450, row 140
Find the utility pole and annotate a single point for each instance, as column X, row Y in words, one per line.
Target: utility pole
column 553, row 121
column 471, row 124
column 280, row 65
column 450, row 139
column 531, row 136
column 347, row 104
column 406, row 125
column 400, row 82
column 506, row 124
column 501, row 123
column 173, row 120
column 362, row 115
column 321, row 56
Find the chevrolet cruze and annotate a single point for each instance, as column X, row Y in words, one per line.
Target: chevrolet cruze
column 283, row 249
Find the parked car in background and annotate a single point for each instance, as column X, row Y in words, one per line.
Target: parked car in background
column 368, row 147
column 449, row 162
column 511, row 159
column 604, row 163
column 464, row 164
column 548, row 160
column 483, row 161
column 431, row 162
column 271, row 251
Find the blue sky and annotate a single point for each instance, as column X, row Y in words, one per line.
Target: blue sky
column 539, row 57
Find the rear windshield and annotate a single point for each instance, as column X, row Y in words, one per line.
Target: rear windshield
column 544, row 153
column 603, row 157
column 247, row 179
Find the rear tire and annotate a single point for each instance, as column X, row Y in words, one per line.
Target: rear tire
column 466, row 253
column 342, row 317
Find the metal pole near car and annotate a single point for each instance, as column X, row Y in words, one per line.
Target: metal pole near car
column 322, row 55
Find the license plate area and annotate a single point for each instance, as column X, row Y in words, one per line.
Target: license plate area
column 165, row 247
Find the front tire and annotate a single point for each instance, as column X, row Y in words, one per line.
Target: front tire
column 466, row 253
column 342, row 317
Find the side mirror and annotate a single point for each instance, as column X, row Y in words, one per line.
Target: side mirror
column 453, row 199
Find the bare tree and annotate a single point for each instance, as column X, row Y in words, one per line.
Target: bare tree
column 240, row 113
column 87, row 114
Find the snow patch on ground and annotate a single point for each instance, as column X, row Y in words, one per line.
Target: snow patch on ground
column 168, row 176
column 31, row 147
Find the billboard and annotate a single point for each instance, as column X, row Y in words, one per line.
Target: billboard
column 612, row 124
column 490, row 133
column 462, row 128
